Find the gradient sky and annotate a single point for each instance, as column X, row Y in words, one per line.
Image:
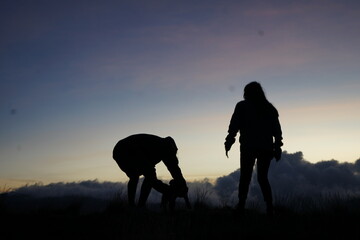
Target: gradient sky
column 77, row 76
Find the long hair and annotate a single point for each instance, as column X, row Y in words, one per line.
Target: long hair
column 254, row 92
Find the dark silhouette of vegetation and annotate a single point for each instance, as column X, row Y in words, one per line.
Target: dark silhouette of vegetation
column 330, row 217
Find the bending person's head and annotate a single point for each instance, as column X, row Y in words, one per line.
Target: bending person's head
column 169, row 151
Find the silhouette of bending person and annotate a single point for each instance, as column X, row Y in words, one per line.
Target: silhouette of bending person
column 257, row 121
column 138, row 154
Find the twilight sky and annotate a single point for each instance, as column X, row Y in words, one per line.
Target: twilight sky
column 77, row 76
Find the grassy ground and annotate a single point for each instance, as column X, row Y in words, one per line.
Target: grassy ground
column 118, row 221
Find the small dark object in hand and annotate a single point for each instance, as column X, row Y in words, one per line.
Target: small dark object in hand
column 177, row 189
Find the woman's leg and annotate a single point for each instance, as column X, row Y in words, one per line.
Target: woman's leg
column 247, row 161
column 263, row 164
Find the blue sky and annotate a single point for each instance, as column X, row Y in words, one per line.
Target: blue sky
column 77, row 76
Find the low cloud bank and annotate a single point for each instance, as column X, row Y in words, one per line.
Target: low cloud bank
column 294, row 175
column 291, row 176
column 90, row 188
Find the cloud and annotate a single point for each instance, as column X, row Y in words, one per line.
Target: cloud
column 82, row 197
column 90, row 188
column 291, row 177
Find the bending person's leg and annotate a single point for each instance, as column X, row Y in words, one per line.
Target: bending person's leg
column 145, row 191
column 151, row 181
column 132, row 184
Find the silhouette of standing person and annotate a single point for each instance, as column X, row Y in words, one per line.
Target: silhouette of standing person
column 257, row 121
column 138, row 154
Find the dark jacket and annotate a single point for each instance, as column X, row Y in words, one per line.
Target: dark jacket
column 139, row 153
column 258, row 124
